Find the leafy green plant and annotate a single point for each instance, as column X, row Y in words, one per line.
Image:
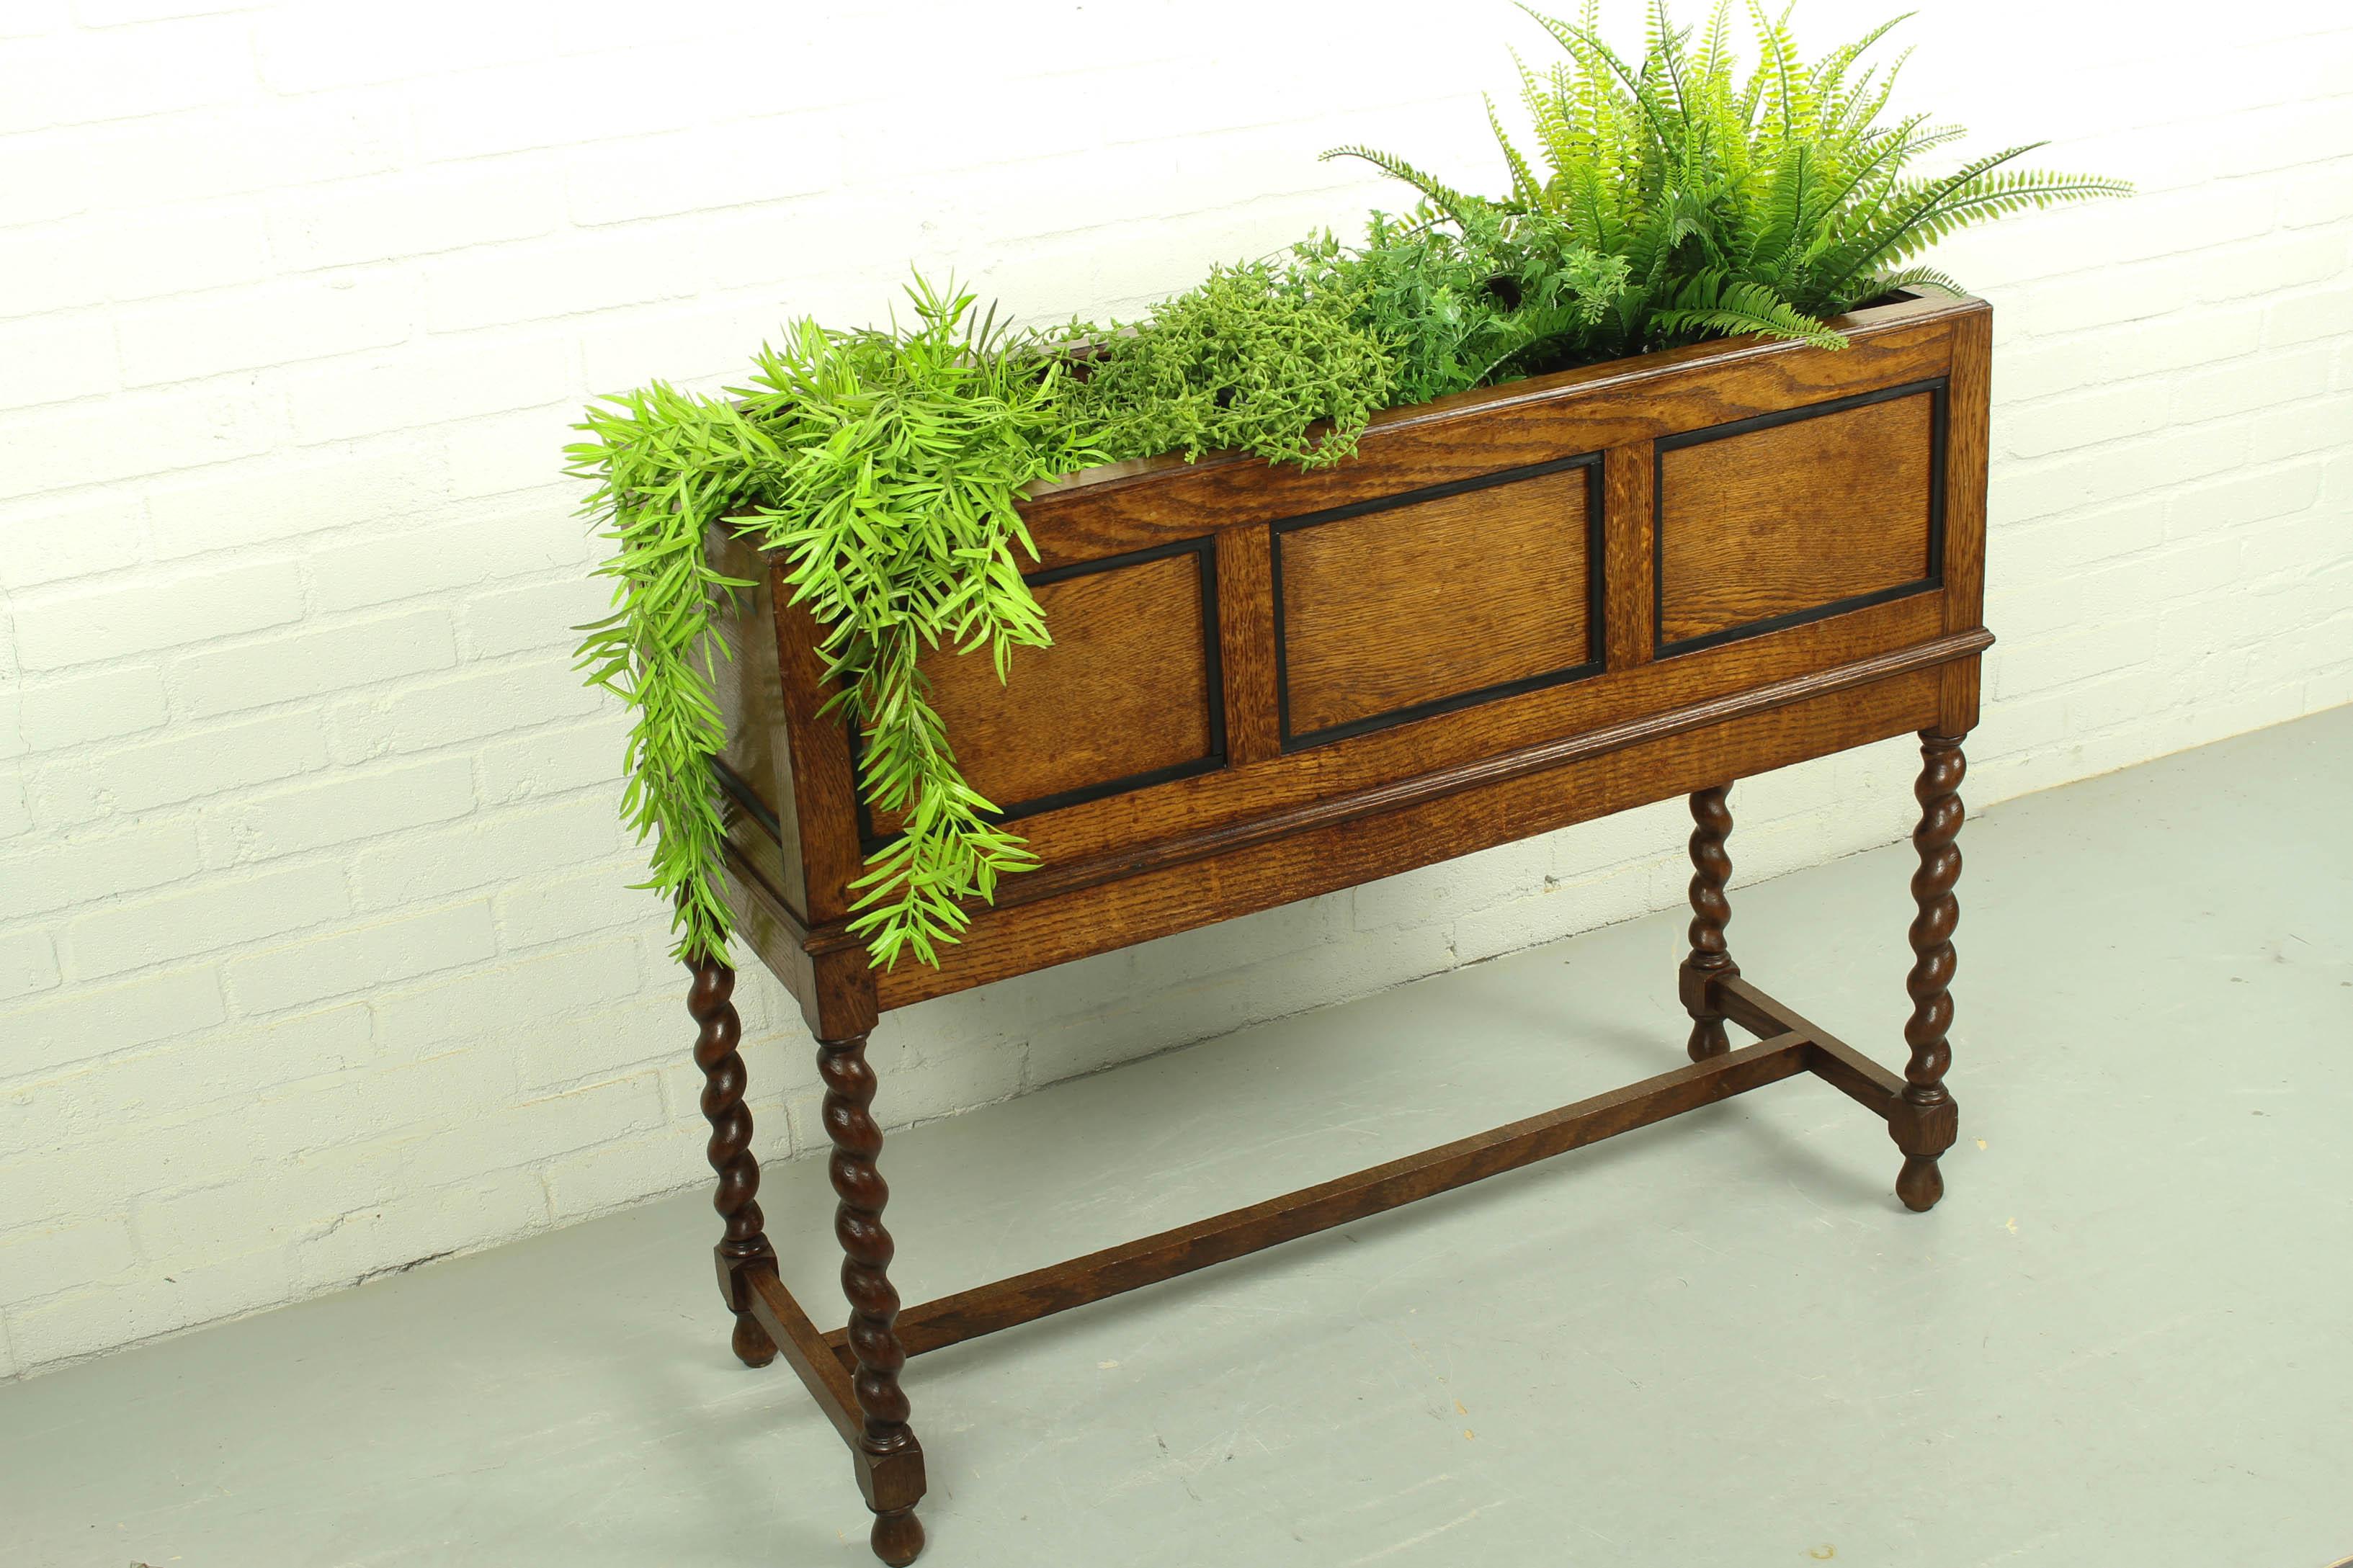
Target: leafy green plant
column 884, row 466
column 1248, row 360
column 1756, row 205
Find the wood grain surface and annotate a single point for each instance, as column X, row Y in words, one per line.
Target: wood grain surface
column 1795, row 517
column 1124, row 690
column 1412, row 605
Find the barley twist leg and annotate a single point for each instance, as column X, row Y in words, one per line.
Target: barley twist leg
column 1924, row 1121
column 743, row 1248
column 893, row 1471
column 1709, row 960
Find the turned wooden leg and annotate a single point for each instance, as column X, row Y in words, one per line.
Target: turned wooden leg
column 1709, row 960
column 1925, row 1120
column 743, row 1248
column 891, row 1469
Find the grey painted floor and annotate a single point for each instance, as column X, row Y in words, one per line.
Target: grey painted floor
column 2122, row 1339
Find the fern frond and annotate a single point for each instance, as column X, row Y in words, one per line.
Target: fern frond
column 1709, row 303
column 1527, row 191
column 1909, row 278
column 1434, row 191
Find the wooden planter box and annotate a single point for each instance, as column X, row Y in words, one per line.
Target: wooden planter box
column 1518, row 608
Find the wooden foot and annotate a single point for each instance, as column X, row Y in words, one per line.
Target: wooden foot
column 1924, row 1121
column 1710, row 961
column 897, row 1537
column 743, row 1248
column 891, row 1462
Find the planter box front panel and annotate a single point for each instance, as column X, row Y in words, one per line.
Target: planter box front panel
column 1397, row 610
column 1797, row 515
column 1127, row 697
column 1505, row 587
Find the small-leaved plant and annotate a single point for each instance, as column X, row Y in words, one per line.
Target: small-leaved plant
column 1248, row 361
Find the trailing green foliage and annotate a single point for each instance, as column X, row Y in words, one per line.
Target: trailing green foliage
column 1248, row 360
column 1756, row 205
column 896, row 514
column 665, row 466
column 883, row 467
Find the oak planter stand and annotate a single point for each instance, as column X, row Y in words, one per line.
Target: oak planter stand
column 1518, row 608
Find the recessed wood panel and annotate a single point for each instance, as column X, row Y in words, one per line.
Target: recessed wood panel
column 1770, row 520
column 1406, row 609
column 1126, row 696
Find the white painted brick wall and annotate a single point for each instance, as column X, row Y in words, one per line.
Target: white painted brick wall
column 316, row 952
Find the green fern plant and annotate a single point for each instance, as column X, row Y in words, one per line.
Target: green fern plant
column 1762, row 205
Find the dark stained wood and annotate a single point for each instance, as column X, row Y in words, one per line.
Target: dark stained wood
column 1829, row 1057
column 750, row 688
column 1967, row 397
column 1412, row 605
column 1150, row 742
column 1026, row 1297
column 1964, row 506
column 824, row 794
column 1630, row 599
column 823, row 1370
column 1124, row 690
column 1924, row 1121
column 1742, row 541
column 1709, row 960
column 1246, row 643
column 892, row 1469
column 743, row 1248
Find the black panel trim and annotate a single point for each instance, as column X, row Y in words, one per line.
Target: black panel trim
column 1595, row 642
column 1204, row 547
column 740, row 791
column 1932, row 578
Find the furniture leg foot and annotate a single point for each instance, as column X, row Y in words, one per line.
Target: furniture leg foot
column 750, row 1342
column 1919, row 1184
column 891, row 1462
column 1709, row 960
column 1924, row 1122
column 897, row 1537
column 743, row 1248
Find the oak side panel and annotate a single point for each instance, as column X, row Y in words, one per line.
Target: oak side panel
column 1412, row 606
column 1246, row 639
column 1127, row 690
column 1795, row 517
column 1968, row 410
column 1019, row 938
column 824, row 792
column 1964, row 506
column 751, row 695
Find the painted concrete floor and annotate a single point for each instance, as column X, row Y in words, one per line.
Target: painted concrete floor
column 2122, row 1339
